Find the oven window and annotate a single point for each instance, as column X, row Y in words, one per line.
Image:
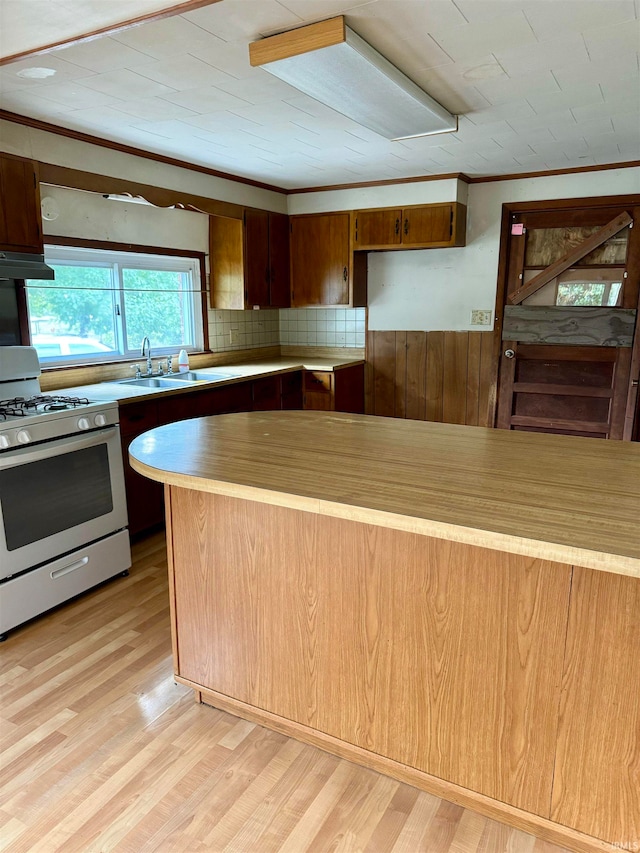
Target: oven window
column 42, row 498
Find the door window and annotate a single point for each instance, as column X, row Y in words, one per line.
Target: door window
column 596, row 286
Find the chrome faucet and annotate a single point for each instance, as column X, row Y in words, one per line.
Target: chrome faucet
column 146, row 350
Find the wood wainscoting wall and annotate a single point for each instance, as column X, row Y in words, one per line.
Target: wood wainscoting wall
column 449, row 377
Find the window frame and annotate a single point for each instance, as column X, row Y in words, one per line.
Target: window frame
column 200, row 304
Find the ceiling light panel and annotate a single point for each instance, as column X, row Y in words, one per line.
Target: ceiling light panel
column 332, row 64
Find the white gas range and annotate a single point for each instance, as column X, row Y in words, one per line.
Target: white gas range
column 63, row 517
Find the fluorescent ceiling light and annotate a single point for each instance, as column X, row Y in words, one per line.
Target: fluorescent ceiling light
column 332, row 64
column 132, row 199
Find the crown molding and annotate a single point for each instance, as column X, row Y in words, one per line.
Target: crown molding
column 170, row 11
column 517, row 176
column 390, row 182
column 38, row 124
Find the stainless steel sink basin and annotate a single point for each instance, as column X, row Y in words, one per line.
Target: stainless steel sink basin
column 197, row 376
column 174, row 380
column 150, row 382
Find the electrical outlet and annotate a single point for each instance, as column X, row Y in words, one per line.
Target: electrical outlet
column 481, row 318
column 234, row 335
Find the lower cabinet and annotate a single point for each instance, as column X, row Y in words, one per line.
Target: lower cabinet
column 266, row 394
column 291, row 388
column 200, row 404
column 145, row 498
column 339, row 391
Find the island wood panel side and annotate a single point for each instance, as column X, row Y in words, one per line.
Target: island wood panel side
column 597, row 777
column 448, row 377
column 441, row 656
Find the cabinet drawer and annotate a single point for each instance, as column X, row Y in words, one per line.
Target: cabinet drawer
column 318, row 382
column 136, row 418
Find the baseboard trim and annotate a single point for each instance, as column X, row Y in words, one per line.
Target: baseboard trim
column 525, row 821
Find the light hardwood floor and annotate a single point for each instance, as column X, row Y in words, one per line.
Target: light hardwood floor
column 102, row 751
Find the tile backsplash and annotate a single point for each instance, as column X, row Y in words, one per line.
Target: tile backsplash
column 231, row 330
column 321, row 327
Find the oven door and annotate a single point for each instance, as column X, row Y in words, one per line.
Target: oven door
column 58, row 496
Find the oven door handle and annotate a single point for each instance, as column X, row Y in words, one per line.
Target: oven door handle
column 56, row 448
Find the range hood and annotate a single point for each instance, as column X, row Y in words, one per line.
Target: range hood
column 21, row 265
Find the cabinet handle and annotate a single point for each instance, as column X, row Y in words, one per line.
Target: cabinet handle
column 345, row 274
column 406, row 226
column 397, row 226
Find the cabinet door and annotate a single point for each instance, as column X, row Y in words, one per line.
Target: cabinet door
column 279, row 278
column 318, row 390
column 429, row 224
column 256, row 258
column 226, row 258
column 20, row 228
column 349, row 389
column 266, row 394
column 291, row 384
column 145, row 498
column 320, row 259
column 199, row 404
column 375, row 228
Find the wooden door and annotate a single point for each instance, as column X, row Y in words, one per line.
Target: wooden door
column 374, row 228
column 256, row 258
column 320, row 259
column 429, row 224
column 279, row 280
column 20, row 229
column 570, row 317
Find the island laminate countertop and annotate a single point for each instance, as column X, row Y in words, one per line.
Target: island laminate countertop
column 561, row 498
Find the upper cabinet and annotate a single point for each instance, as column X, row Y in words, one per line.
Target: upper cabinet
column 322, row 268
column 249, row 260
column 20, row 222
column 427, row 226
column 279, row 283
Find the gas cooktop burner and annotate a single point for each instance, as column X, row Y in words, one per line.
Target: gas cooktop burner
column 21, row 406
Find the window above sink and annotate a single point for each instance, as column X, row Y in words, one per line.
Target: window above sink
column 102, row 303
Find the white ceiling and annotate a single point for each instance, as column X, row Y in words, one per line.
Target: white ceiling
column 538, row 84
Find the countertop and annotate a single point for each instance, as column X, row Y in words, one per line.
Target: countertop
column 555, row 497
column 114, row 391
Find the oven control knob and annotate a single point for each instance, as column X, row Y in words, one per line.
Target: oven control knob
column 4, row 442
column 100, row 420
column 23, row 436
column 83, row 423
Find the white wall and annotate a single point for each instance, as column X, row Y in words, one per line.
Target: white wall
column 422, row 192
column 436, row 289
column 92, row 217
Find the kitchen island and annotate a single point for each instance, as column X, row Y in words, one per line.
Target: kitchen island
column 453, row 606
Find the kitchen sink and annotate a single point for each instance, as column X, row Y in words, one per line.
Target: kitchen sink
column 150, row 382
column 193, row 376
column 174, row 380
